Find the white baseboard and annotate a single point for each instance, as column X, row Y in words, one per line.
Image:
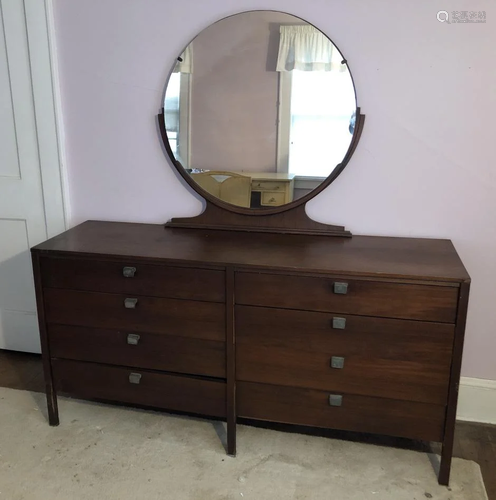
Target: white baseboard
column 477, row 400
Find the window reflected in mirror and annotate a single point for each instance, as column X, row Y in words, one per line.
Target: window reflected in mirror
column 259, row 109
column 320, row 108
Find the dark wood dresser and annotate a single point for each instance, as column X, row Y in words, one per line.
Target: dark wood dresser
column 362, row 333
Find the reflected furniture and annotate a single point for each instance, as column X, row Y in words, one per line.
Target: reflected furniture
column 362, row 333
column 248, row 189
column 273, row 189
column 229, row 187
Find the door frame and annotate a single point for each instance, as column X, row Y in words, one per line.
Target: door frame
column 48, row 113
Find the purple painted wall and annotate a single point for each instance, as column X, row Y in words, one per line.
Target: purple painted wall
column 425, row 165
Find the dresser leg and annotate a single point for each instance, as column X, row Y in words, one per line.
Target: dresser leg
column 449, row 432
column 230, row 364
column 445, row 466
column 231, row 437
column 53, row 409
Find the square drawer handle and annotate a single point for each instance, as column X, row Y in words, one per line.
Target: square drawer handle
column 340, row 288
column 339, row 323
column 337, row 362
column 129, row 272
column 130, row 303
column 335, row 400
column 133, row 339
column 134, row 378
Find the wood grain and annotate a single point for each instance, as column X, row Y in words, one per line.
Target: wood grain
column 51, row 394
column 154, row 351
column 392, row 300
column 402, row 293
column 448, row 439
column 407, row 360
column 231, row 363
column 311, row 407
column 410, row 258
column 151, row 280
column 156, row 389
column 183, row 318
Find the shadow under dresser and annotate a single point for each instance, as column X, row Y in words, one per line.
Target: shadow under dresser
column 362, row 333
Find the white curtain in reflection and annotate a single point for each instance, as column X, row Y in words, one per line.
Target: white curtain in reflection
column 305, row 48
column 184, row 62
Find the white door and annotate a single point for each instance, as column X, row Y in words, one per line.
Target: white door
column 31, row 207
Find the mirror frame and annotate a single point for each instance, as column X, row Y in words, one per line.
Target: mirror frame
column 261, row 212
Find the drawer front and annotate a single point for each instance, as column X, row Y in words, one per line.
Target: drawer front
column 310, row 407
column 171, row 392
column 389, row 358
column 146, row 279
column 268, row 186
column 154, row 351
column 368, row 298
column 183, row 318
column 273, row 199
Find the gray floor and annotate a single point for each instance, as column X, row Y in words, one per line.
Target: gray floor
column 475, row 442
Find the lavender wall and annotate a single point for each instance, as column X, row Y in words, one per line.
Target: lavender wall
column 425, row 165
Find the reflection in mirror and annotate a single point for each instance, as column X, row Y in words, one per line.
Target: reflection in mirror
column 260, row 109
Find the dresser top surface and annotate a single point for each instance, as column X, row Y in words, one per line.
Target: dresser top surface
column 414, row 258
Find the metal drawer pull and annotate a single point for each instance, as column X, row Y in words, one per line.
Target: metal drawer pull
column 134, row 378
column 335, row 400
column 130, row 303
column 337, row 362
column 339, row 323
column 341, row 288
column 129, row 272
column 133, row 339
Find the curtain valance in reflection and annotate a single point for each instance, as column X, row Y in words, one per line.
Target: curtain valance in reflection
column 305, row 48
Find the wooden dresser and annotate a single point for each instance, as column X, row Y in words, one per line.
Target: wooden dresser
column 362, row 333
column 275, row 189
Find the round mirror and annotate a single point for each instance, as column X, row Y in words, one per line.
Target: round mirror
column 259, row 111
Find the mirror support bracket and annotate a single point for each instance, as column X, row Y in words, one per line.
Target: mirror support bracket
column 292, row 221
column 287, row 219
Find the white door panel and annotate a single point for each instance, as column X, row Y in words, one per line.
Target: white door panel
column 16, row 291
column 22, row 208
column 9, row 159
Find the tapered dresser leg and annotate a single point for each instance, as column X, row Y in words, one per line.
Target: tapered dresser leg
column 230, row 364
column 231, row 436
column 53, row 411
column 449, row 430
column 53, row 408
column 445, row 466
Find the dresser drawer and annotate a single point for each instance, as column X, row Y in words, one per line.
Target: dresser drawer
column 368, row 298
column 183, row 318
column 270, row 198
column 366, row 414
column 268, row 186
column 154, row 351
column 390, row 358
column 172, row 392
column 145, row 279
